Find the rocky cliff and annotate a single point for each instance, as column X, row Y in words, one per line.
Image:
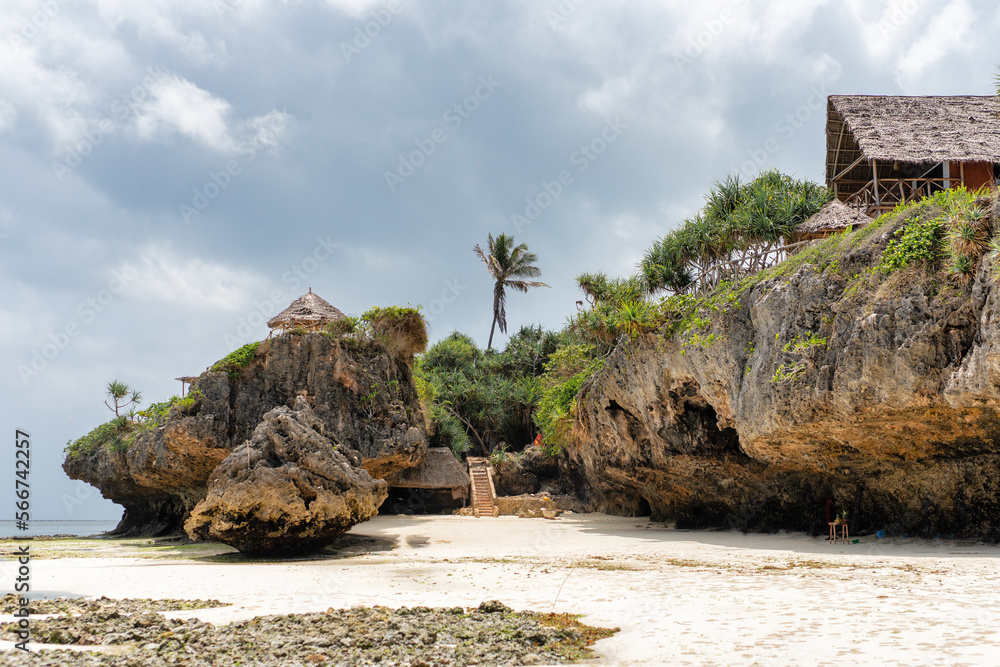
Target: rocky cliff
column 824, row 380
column 363, row 397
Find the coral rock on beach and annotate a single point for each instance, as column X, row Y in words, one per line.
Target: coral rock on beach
column 364, row 397
column 290, row 489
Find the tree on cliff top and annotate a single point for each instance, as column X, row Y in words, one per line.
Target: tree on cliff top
column 508, row 265
column 741, row 230
column 122, row 396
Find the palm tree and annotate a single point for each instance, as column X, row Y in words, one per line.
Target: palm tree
column 508, row 265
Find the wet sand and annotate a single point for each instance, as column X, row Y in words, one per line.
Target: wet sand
column 679, row 597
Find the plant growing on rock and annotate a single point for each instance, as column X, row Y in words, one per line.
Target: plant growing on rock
column 565, row 374
column 236, row 360
column 401, row 330
column 741, row 230
column 122, row 396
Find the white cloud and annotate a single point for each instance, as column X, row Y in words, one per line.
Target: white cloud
column 357, row 8
column 264, row 131
column 160, row 20
column 178, row 106
column 53, row 96
column 160, row 274
column 949, row 31
column 7, row 115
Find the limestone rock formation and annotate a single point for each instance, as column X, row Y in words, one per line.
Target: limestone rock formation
column 289, row 489
column 364, row 397
column 808, row 389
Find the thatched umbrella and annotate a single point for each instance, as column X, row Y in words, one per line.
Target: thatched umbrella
column 308, row 312
column 834, row 218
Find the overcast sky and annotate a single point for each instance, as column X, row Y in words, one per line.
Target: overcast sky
column 173, row 173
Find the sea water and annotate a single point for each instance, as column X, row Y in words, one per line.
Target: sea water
column 36, row 528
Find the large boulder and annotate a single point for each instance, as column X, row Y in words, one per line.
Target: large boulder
column 290, row 489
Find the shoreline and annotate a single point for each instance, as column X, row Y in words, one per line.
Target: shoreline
column 679, row 596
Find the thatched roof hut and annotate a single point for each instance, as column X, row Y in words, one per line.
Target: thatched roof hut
column 308, row 312
column 835, row 217
column 881, row 149
column 440, row 470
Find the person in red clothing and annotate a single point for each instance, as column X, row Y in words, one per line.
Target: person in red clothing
column 538, row 440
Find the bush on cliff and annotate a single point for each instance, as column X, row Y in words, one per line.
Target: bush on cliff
column 121, row 432
column 236, row 360
column 565, row 373
column 400, row 330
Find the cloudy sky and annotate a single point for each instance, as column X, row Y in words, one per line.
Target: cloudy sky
column 174, row 172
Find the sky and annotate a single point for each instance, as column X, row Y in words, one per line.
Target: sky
column 172, row 174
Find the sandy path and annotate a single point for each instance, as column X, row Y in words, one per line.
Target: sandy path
column 681, row 598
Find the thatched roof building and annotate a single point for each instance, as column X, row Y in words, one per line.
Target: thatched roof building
column 308, row 312
column 440, row 470
column 835, row 217
column 881, row 150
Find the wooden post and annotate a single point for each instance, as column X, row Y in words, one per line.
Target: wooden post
column 878, row 202
column 961, row 172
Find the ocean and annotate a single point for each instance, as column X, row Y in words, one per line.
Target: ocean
column 35, row 528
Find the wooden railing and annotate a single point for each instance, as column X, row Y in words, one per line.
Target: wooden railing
column 883, row 195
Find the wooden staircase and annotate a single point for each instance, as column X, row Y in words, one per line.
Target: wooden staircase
column 483, row 491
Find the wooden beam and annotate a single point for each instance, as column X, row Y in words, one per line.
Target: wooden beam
column 875, row 182
column 853, row 165
column 840, row 139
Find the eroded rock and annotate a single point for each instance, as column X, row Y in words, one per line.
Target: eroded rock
column 289, row 489
column 883, row 402
column 364, row 397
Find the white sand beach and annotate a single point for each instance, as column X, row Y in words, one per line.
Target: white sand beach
column 679, row 597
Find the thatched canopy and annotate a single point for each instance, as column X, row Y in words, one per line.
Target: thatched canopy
column 914, row 130
column 440, row 470
column 833, row 218
column 309, row 311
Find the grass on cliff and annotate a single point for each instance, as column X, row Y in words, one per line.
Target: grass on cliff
column 119, row 434
column 942, row 239
column 236, row 360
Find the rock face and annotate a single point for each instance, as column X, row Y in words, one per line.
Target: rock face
column 364, row 398
column 289, row 489
column 806, row 389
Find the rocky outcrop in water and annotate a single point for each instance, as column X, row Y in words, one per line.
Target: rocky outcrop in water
column 827, row 388
column 289, row 489
column 363, row 396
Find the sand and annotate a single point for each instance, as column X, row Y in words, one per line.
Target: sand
column 679, row 597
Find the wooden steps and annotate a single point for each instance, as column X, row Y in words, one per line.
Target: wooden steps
column 483, row 493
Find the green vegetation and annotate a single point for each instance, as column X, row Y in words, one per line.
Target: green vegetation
column 111, row 434
column 236, row 360
column 508, row 266
column 619, row 307
column 953, row 225
column 918, row 241
column 786, row 373
column 122, row 396
column 740, row 231
column 400, row 330
column 119, row 434
column 566, row 371
column 479, row 400
column 804, row 342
